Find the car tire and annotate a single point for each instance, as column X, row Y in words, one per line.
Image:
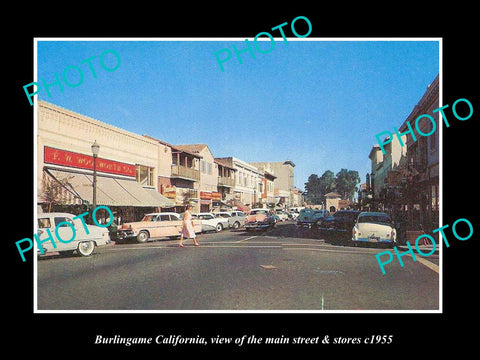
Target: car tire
column 236, row 225
column 85, row 248
column 219, row 227
column 142, row 236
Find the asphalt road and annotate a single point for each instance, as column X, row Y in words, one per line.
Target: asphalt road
column 282, row 269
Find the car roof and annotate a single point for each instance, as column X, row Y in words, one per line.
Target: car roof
column 370, row 213
column 162, row 213
column 43, row 215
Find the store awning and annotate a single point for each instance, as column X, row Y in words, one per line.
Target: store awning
column 240, row 206
column 110, row 191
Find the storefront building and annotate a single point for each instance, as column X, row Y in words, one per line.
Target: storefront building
column 206, row 186
column 247, row 188
column 126, row 166
column 422, row 197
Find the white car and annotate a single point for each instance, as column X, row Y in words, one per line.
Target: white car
column 225, row 218
column 210, row 222
column 374, row 227
column 234, row 219
column 81, row 242
column 238, row 219
column 282, row 215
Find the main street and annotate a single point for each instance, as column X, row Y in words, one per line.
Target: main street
column 282, row 269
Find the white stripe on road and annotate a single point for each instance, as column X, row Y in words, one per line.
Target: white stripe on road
column 327, row 250
column 428, row 264
column 248, row 238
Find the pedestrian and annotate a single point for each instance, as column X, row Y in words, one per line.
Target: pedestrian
column 188, row 230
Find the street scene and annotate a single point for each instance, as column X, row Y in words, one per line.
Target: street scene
column 271, row 184
column 285, row 268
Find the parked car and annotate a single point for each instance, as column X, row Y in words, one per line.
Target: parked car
column 308, row 217
column 83, row 243
column 282, row 215
column 374, row 227
column 237, row 220
column 259, row 219
column 292, row 215
column 225, row 218
column 337, row 227
column 209, row 222
column 155, row 226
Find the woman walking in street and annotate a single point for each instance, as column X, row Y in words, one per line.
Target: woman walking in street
column 188, row 230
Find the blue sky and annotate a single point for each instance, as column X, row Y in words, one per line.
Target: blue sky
column 317, row 103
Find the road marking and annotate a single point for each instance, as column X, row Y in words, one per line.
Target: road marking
column 326, row 250
column 268, row 267
column 243, row 246
column 248, row 238
column 428, row 264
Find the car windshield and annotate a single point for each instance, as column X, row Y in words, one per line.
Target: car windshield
column 222, row 215
column 255, row 212
column 374, row 218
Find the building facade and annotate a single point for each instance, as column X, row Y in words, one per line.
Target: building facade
column 421, row 171
column 126, row 166
column 405, row 180
column 207, row 186
column 137, row 174
column 284, row 181
column 248, row 183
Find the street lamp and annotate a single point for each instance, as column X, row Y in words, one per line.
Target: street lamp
column 95, row 150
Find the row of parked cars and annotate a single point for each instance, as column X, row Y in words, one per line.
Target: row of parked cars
column 346, row 226
column 152, row 226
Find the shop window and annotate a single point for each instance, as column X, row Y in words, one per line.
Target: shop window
column 144, row 175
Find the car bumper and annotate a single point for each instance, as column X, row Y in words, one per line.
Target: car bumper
column 370, row 240
column 308, row 224
column 122, row 235
column 256, row 226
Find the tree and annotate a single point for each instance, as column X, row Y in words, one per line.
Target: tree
column 327, row 183
column 346, row 183
column 312, row 189
column 317, row 187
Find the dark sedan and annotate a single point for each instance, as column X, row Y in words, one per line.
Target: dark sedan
column 337, row 228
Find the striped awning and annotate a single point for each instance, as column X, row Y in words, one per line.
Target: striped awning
column 110, row 191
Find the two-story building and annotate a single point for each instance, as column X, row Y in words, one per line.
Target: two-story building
column 226, row 182
column 422, row 163
column 207, row 186
column 384, row 173
column 126, row 166
column 284, row 181
column 178, row 175
column 248, row 183
column 405, row 180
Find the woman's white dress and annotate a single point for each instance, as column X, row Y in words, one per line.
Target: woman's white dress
column 188, row 231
